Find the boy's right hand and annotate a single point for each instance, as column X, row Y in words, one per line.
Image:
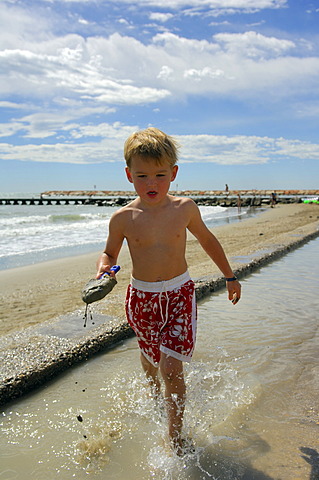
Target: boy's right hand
column 105, row 269
column 111, row 271
column 234, row 291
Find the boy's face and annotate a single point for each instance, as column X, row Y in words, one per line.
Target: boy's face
column 151, row 180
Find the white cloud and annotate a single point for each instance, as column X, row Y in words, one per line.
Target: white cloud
column 48, row 124
column 106, row 131
column 305, row 110
column 121, row 70
column 297, row 149
column 250, row 5
column 253, row 44
column 160, row 17
column 223, row 150
column 235, row 64
column 45, row 124
column 165, row 72
column 83, row 21
column 204, row 72
column 243, row 150
column 218, row 149
column 109, row 149
column 260, row 4
column 75, row 70
column 18, row 24
column 123, row 21
column 8, row 129
column 14, row 105
column 225, row 23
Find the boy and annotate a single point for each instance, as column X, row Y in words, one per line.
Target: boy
column 160, row 302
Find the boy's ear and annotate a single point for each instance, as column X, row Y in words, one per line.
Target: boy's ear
column 174, row 172
column 128, row 175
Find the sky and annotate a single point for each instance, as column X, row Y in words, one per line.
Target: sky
column 236, row 82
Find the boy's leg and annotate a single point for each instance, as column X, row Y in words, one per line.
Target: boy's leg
column 152, row 376
column 175, row 393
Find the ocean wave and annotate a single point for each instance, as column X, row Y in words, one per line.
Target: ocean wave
column 42, row 219
column 70, row 218
column 211, row 215
column 11, row 221
column 57, row 231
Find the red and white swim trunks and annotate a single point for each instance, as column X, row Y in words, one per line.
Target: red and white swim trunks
column 163, row 316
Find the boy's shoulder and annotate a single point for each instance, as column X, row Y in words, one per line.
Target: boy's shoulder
column 122, row 211
column 183, row 202
column 126, row 211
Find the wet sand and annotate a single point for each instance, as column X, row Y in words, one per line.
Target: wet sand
column 33, row 294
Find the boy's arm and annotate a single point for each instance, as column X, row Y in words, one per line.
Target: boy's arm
column 112, row 248
column 214, row 249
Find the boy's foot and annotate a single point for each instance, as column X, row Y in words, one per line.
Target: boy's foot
column 183, row 446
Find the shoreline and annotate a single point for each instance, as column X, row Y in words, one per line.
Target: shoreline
column 249, row 244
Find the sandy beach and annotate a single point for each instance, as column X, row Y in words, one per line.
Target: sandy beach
column 33, row 294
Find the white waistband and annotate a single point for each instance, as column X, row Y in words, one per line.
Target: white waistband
column 165, row 285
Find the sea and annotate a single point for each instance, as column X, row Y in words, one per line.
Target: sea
column 36, row 233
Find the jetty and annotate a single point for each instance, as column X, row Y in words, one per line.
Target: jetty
column 232, row 198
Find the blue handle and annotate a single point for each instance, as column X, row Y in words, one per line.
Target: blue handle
column 115, row 269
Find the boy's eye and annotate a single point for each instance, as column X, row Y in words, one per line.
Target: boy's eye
column 160, row 175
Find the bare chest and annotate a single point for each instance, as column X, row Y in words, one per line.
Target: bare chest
column 147, row 230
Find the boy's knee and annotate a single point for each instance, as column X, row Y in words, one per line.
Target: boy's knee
column 144, row 361
column 171, row 369
column 148, row 367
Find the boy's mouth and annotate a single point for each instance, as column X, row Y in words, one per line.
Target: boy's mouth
column 152, row 193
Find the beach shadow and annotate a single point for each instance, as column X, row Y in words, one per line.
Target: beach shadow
column 311, row 456
column 224, row 468
column 215, row 463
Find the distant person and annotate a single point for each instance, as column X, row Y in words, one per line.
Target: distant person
column 160, row 302
column 238, row 201
column 226, row 189
column 273, row 199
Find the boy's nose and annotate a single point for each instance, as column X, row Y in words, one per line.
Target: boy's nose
column 151, row 181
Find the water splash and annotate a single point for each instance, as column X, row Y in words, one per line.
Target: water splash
column 91, row 452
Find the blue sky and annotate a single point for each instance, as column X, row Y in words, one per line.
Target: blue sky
column 235, row 81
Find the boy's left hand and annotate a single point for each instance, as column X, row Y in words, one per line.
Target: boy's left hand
column 234, row 291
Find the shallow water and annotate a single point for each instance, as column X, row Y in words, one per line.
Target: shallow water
column 251, row 411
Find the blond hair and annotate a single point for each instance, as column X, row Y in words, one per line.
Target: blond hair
column 151, row 143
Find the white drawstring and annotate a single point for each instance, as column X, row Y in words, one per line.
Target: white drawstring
column 165, row 320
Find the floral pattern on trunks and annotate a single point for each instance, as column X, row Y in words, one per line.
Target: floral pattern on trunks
column 163, row 319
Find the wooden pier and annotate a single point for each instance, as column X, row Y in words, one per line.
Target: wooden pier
column 99, row 201
column 234, row 198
